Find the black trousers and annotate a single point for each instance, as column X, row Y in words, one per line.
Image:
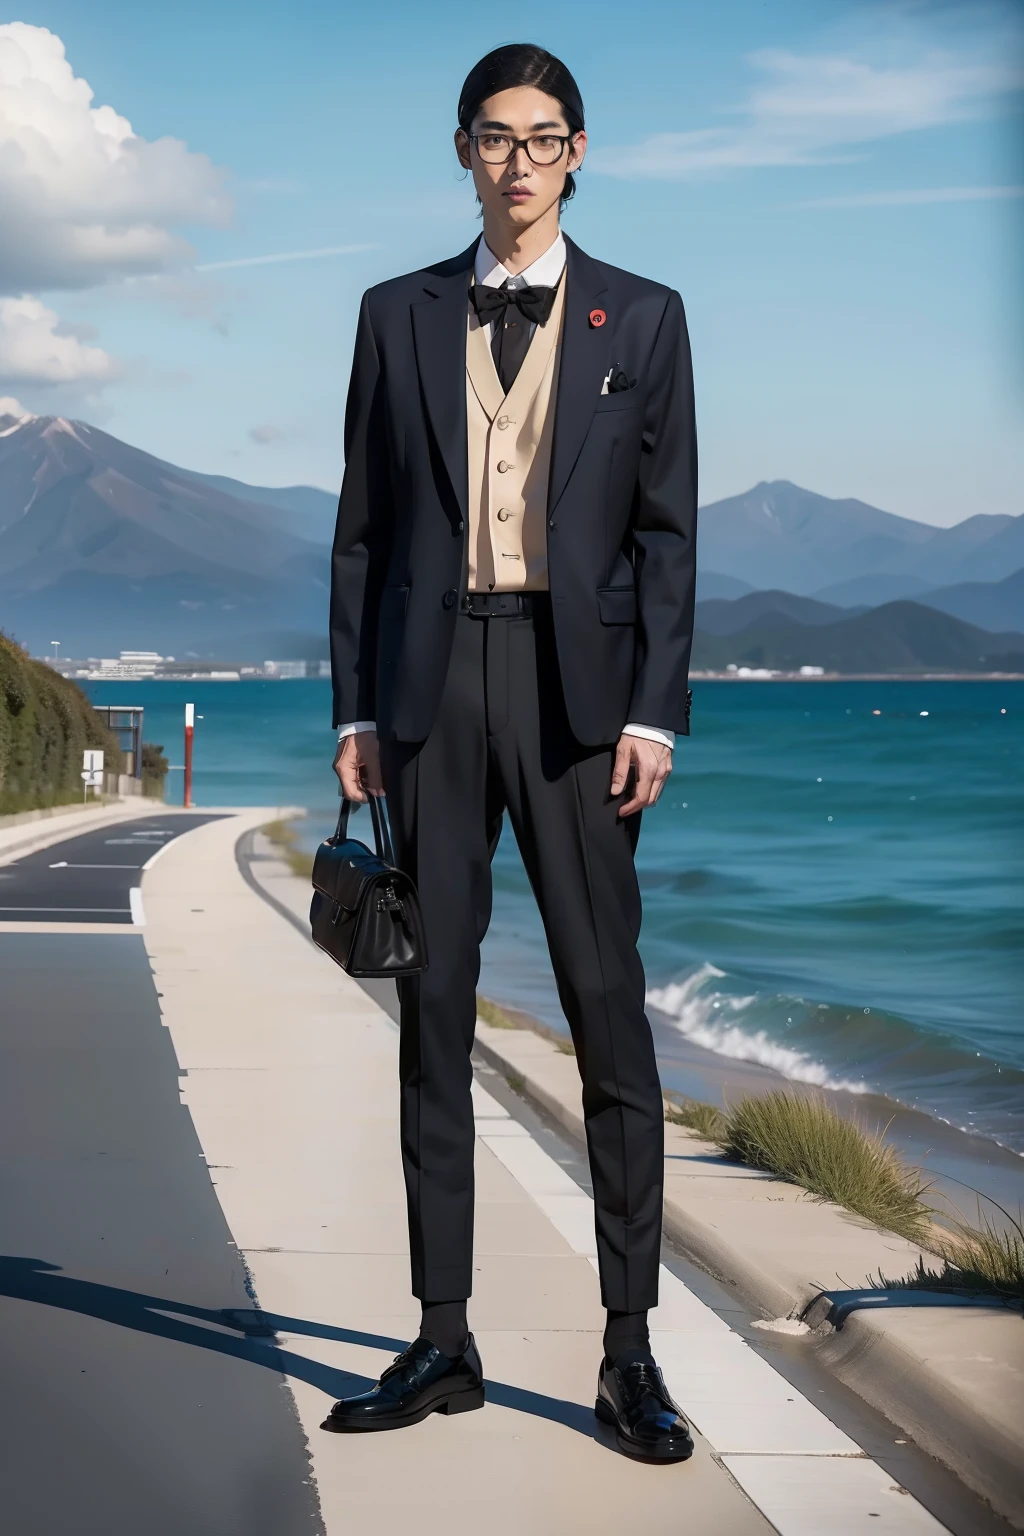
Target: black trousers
column 501, row 743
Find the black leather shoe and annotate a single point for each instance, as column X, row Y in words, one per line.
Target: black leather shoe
column 634, row 1399
column 418, row 1382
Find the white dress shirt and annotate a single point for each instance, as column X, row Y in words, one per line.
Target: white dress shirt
column 543, row 273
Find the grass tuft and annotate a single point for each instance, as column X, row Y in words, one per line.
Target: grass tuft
column 706, row 1119
column 286, row 840
column 802, row 1138
column 491, row 1014
column 982, row 1260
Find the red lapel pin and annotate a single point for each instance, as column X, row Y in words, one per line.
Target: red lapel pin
column 597, row 318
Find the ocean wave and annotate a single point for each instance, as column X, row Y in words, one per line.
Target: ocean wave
column 710, row 1017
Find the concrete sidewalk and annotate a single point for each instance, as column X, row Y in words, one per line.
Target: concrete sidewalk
column 291, row 1083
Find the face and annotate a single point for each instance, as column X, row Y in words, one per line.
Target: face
column 519, row 191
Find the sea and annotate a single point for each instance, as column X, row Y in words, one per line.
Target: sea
column 833, row 882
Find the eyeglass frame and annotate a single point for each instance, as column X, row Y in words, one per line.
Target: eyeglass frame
column 564, row 139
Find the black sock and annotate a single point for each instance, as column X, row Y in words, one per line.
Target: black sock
column 626, row 1330
column 444, row 1324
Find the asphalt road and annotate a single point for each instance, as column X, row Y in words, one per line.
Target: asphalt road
column 89, row 878
column 136, row 1391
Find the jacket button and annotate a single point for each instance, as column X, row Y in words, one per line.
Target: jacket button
column 460, row 526
column 552, row 523
column 450, row 598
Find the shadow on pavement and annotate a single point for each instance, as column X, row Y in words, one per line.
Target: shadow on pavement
column 245, row 1335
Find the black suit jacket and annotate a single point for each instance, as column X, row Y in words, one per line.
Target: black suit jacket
column 622, row 504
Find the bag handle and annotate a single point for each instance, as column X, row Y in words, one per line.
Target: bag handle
column 381, row 826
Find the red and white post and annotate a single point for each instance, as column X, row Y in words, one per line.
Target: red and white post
column 190, row 722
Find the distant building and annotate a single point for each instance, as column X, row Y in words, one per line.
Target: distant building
column 130, row 664
column 324, row 669
column 284, row 669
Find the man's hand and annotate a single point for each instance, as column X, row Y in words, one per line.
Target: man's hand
column 357, row 764
column 651, row 763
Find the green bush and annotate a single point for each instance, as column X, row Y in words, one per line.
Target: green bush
column 46, row 723
column 154, row 770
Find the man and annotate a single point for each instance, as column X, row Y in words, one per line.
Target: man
column 511, row 622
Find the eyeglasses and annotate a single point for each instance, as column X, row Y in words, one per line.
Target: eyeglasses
column 499, row 148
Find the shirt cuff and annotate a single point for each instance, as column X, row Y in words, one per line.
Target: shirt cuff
column 356, row 725
column 651, row 733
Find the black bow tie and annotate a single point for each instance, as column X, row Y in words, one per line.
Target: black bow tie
column 534, row 304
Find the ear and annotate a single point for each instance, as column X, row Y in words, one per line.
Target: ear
column 462, row 148
column 577, row 149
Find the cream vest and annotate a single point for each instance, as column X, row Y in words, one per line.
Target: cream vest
column 510, row 439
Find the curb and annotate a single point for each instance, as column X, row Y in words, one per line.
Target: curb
column 907, row 1364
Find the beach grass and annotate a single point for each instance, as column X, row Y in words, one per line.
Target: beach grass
column 801, row 1138
column 977, row 1260
column 706, row 1119
column 494, row 1015
column 491, row 1014
column 286, row 840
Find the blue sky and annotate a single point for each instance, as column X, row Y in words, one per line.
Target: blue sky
column 834, row 189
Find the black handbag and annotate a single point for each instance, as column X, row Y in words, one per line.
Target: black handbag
column 366, row 913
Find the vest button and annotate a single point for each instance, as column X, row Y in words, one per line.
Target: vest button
column 503, row 514
column 450, row 598
column 503, row 466
column 503, row 422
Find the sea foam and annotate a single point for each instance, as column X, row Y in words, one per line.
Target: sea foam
column 713, row 1018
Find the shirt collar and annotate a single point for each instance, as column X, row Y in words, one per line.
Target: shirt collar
column 544, row 272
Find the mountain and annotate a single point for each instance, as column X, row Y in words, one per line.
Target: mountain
column 992, row 604
column 722, row 617
column 312, row 512
column 871, row 591
column 106, row 547
column 778, row 535
column 898, row 637
column 711, row 584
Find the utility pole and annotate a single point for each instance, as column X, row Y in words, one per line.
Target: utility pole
column 190, row 721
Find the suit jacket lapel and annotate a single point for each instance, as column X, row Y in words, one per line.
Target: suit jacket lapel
column 584, row 363
column 439, row 333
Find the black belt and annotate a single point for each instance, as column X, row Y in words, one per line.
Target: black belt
column 504, row 605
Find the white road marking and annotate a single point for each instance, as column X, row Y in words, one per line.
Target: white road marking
column 805, row 1475
column 138, row 915
column 140, row 840
column 65, row 865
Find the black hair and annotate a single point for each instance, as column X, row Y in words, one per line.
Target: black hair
column 519, row 64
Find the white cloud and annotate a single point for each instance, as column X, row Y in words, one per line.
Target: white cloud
column 818, row 110
column 84, row 198
column 11, row 407
column 268, row 261
column 36, row 349
column 266, row 434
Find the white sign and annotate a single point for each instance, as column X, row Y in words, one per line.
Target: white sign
column 92, row 776
column 92, row 761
